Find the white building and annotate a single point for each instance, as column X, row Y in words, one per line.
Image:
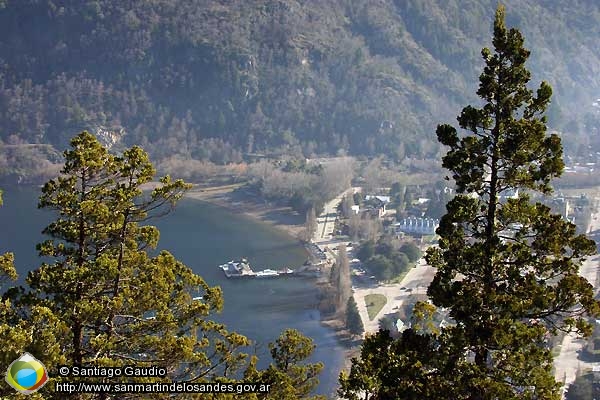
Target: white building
column 420, row 226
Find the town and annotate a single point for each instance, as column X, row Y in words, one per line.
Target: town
column 407, row 218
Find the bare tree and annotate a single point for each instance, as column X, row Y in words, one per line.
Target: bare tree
column 340, row 280
column 310, row 225
column 336, row 177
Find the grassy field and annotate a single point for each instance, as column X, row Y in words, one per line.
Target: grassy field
column 375, row 303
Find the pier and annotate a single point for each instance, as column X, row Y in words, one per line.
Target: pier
column 242, row 269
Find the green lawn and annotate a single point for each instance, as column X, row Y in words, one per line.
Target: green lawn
column 375, row 303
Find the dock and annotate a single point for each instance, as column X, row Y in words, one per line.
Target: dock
column 242, row 269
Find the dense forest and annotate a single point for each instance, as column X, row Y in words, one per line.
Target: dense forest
column 214, row 80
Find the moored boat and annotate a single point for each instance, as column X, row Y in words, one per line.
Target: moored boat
column 237, row 269
column 285, row 271
column 267, row 273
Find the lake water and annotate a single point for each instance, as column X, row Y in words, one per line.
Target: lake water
column 203, row 236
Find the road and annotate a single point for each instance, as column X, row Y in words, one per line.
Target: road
column 326, row 220
column 415, row 282
column 567, row 364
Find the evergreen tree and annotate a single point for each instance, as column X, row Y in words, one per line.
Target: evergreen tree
column 8, row 334
column 115, row 303
column 397, row 369
column 24, row 328
column 289, row 376
column 353, row 320
column 422, row 318
column 507, row 271
column 366, row 251
column 340, row 281
column 346, row 206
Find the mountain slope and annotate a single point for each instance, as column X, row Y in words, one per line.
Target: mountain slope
column 214, row 79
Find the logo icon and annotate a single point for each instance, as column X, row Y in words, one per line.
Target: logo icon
column 26, row 374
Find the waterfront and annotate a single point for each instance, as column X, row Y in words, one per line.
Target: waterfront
column 204, row 236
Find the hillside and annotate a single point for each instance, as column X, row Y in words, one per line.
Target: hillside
column 212, row 80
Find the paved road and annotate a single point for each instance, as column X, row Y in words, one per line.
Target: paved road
column 326, row 220
column 415, row 282
column 566, row 364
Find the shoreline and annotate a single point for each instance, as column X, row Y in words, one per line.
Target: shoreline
column 286, row 221
column 282, row 218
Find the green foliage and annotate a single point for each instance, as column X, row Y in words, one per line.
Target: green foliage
column 422, row 318
column 381, row 267
column 411, row 250
column 210, row 80
column 7, row 268
column 397, row 193
column 518, row 263
column 409, row 367
column 102, row 298
column 366, row 251
column 353, row 320
column 7, row 329
column 507, row 271
column 110, row 302
column 19, row 332
column 289, row 375
column 383, row 260
column 436, row 207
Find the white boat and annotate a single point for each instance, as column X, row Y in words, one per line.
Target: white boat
column 267, row 273
column 285, row 271
column 236, row 269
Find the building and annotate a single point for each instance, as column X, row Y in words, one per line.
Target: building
column 377, row 204
column 418, row 226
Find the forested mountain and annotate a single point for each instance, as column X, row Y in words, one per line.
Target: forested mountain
column 212, row 80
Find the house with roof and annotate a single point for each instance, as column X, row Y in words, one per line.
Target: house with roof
column 376, row 205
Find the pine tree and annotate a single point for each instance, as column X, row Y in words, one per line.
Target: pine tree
column 8, row 333
column 23, row 328
column 507, row 269
column 353, row 320
column 117, row 304
column 290, row 377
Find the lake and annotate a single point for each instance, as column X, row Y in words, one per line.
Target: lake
column 204, row 236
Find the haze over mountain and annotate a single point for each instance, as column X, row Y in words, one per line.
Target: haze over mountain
column 211, row 80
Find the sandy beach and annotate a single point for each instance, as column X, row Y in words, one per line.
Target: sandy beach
column 280, row 217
